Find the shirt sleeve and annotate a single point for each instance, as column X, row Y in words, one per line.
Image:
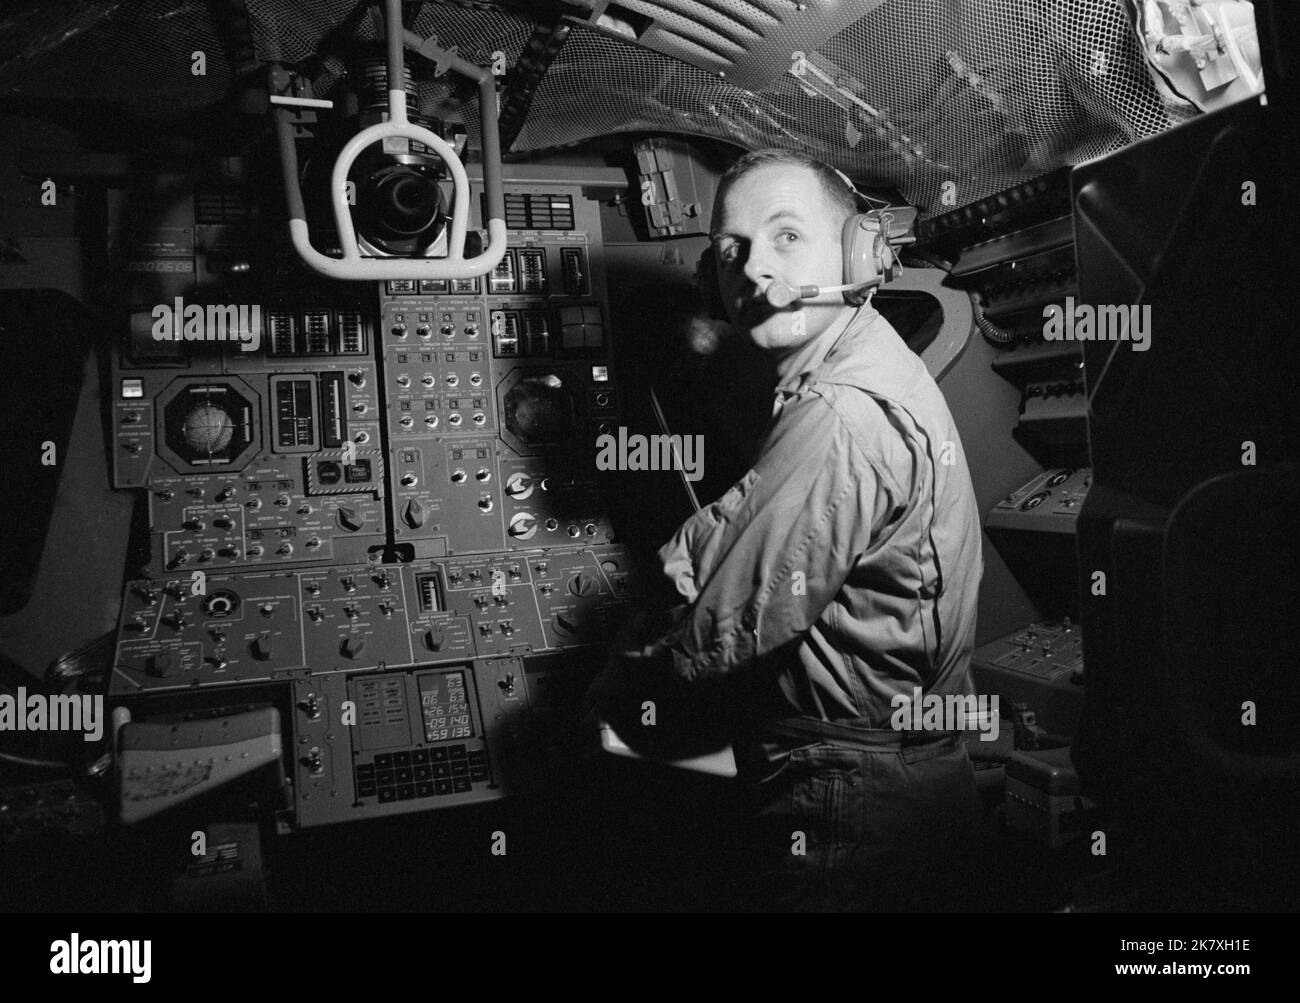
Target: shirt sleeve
column 762, row 563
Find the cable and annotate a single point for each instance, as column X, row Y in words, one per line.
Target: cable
column 993, row 334
column 47, row 764
column 681, row 466
column 91, row 659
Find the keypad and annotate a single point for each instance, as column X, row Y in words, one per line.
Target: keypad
column 413, row 774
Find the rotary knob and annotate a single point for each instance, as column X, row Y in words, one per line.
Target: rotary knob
column 413, row 513
column 161, row 665
column 519, row 486
column 583, row 584
column 523, row 526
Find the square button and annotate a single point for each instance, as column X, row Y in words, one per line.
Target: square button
column 463, row 785
column 423, row 773
column 478, row 774
column 401, row 759
column 405, row 775
column 419, row 756
column 441, row 770
column 365, row 790
column 424, row 790
column 437, row 755
column 442, row 787
column 365, row 771
column 387, row 795
column 405, row 792
column 460, row 769
column 384, row 760
column 456, row 751
column 385, row 778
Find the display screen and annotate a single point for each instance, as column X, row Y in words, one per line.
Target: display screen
column 445, row 705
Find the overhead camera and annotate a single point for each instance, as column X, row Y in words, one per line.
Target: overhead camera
column 396, row 188
column 400, row 208
column 398, row 204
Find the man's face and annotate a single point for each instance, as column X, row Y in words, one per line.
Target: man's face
column 776, row 224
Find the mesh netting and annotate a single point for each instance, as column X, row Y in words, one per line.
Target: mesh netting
column 132, row 56
column 984, row 94
column 913, row 94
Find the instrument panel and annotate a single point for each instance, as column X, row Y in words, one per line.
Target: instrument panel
column 382, row 499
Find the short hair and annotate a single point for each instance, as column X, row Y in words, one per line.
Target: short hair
column 837, row 188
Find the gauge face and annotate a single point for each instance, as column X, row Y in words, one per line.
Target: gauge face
column 220, row 604
column 208, row 424
column 1034, row 500
column 539, row 410
column 208, row 429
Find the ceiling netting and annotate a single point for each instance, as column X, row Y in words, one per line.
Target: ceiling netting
column 910, row 94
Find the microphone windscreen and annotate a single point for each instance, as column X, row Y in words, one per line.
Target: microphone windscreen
column 780, row 295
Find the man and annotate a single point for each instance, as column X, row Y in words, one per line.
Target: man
column 840, row 573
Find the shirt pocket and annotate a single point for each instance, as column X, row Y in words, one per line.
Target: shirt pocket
column 707, row 544
column 692, row 555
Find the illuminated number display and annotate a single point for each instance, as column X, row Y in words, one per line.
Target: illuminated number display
column 445, row 706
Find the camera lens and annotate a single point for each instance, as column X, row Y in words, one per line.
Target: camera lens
column 400, row 208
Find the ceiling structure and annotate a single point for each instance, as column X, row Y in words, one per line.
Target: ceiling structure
column 946, row 101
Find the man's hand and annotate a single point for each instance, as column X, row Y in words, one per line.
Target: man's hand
column 639, row 647
column 640, row 673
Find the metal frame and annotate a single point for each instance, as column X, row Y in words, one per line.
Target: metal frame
column 353, row 266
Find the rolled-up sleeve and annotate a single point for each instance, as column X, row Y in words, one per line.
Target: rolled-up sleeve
column 761, row 564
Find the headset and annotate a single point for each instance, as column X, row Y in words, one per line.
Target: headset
column 868, row 241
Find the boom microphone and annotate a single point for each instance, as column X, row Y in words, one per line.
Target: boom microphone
column 781, row 295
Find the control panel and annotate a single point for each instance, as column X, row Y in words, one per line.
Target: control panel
column 1048, row 503
column 267, row 625
column 254, row 459
column 498, row 388
column 382, row 498
column 1040, row 667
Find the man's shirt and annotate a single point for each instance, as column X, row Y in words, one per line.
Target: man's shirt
column 854, row 538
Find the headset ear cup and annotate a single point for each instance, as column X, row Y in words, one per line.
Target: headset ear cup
column 706, row 284
column 861, row 263
column 885, row 258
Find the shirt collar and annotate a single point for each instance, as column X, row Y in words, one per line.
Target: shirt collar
column 799, row 366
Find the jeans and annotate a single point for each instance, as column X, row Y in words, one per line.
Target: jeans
column 856, row 828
